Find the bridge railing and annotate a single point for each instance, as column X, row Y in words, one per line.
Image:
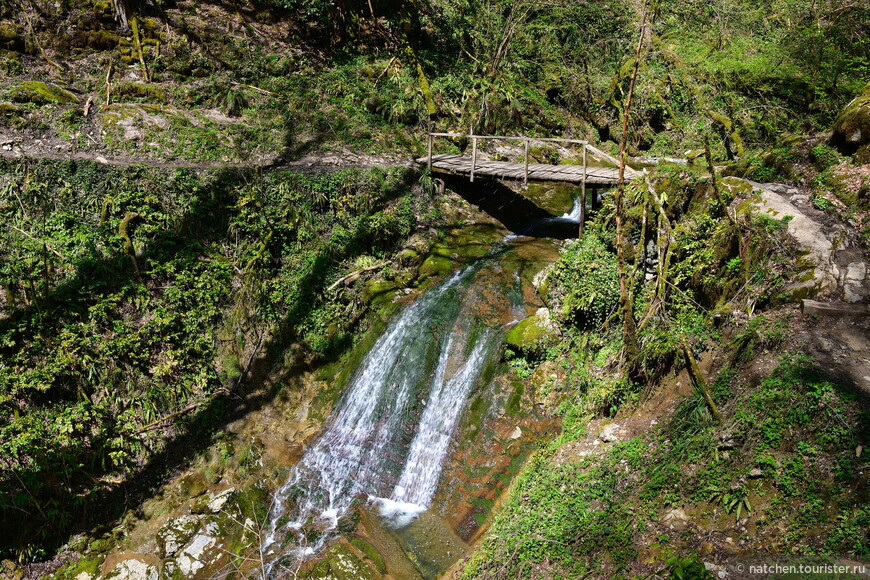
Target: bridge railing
column 525, row 141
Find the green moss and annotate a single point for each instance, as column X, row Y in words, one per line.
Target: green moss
column 100, row 546
column 371, row 553
column 10, row 62
column 140, row 90
column 41, row 94
column 527, row 333
column 377, row 292
column 435, row 265
column 87, row 565
column 342, row 564
column 555, row 198
column 515, row 400
column 8, row 110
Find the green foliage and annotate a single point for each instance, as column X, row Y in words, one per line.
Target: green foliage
column 791, row 426
column 91, row 355
column 584, row 283
column 687, row 568
column 824, row 156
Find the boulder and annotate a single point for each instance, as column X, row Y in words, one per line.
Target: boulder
column 820, row 274
column 526, row 335
column 851, row 129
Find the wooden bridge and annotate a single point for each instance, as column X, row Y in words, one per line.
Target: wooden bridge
column 580, row 174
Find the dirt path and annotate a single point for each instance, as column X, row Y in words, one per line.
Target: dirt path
column 840, row 345
column 58, row 150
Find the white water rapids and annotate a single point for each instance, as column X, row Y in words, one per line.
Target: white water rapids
column 391, row 433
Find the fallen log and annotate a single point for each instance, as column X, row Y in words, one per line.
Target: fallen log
column 809, row 307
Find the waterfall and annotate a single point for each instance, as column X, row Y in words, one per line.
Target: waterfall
column 425, row 364
column 574, row 214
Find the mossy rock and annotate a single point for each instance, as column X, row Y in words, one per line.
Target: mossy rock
column 42, row 94
column 557, row 198
column 193, row 485
column 527, row 334
column 10, row 62
column 9, row 110
column 851, row 129
column 435, row 265
column 379, row 291
column 177, row 532
column 101, row 546
column 102, row 9
column 408, row 257
column 371, row 553
column 345, row 565
column 11, row 36
column 10, row 570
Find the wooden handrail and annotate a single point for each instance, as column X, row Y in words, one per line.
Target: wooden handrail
column 510, row 138
column 595, row 150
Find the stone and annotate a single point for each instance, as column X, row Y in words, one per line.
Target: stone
column 170, row 570
column 755, row 472
column 856, row 271
column 133, row 569
column 851, row 293
column 176, row 533
column 609, row 433
column 516, row 433
column 9, row 570
column 193, row 484
column 676, row 519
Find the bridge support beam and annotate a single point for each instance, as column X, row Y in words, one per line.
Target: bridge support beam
column 583, row 195
column 526, row 163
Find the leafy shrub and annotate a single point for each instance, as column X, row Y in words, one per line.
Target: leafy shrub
column 584, row 283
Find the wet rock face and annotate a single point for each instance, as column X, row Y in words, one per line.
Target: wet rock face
column 852, row 126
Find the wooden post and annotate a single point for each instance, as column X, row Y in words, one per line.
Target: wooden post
column 430, row 153
column 526, row 163
column 583, row 194
column 473, row 156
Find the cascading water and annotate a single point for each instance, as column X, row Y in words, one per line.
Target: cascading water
column 425, row 364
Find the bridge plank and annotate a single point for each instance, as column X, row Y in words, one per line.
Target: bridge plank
column 459, row 164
